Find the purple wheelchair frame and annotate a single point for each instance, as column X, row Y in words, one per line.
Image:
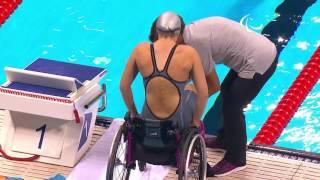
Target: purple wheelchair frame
column 129, row 159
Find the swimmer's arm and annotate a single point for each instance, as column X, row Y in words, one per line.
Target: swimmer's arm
column 127, row 78
column 199, row 80
column 212, row 82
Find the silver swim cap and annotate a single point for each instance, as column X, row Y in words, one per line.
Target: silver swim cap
column 169, row 22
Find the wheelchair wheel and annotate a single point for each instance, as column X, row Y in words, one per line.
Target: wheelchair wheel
column 117, row 169
column 193, row 158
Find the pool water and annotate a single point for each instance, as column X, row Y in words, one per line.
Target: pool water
column 104, row 32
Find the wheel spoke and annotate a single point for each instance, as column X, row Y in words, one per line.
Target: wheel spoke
column 119, row 169
column 195, row 163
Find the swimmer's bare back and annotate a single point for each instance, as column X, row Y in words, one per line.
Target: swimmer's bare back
column 162, row 96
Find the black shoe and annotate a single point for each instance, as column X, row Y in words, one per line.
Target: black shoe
column 224, row 168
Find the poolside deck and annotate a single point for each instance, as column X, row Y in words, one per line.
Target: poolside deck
column 266, row 167
column 260, row 166
column 37, row 170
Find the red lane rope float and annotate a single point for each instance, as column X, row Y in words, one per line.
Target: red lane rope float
column 33, row 95
column 6, row 9
column 76, row 115
column 6, row 156
column 43, row 97
column 290, row 102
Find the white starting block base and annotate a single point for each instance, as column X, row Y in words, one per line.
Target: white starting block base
column 57, row 141
column 50, row 110
column 96, row 161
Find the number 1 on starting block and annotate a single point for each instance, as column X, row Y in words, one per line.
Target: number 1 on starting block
column 39, row 137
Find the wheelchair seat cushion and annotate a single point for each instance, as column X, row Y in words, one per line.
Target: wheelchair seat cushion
column 155, row 135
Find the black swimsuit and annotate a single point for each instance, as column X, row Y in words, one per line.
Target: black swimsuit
column 182, row 116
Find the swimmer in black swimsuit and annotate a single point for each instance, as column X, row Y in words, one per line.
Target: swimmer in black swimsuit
column 167, row 69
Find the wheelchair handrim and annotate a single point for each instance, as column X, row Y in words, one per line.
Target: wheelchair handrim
column 202, row 158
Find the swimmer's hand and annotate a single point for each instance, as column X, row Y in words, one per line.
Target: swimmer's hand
column 195, row 123
column 133, row 115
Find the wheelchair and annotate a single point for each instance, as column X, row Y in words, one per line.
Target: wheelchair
column 140, row 141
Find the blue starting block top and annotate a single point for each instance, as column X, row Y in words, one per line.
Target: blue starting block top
column 80, row 72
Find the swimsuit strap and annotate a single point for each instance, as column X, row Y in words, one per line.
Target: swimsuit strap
column 169, row 58
column 153, row 58
column 154, row 62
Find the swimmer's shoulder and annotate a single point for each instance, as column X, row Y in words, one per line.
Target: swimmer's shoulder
column 141, row 48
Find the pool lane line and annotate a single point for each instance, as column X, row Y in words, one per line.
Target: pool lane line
column 282, row 28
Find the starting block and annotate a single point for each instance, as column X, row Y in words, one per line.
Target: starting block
column 50, row 110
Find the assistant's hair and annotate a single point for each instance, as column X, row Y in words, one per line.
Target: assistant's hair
column 153, row 36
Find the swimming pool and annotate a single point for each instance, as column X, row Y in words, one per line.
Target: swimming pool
column 103, row 33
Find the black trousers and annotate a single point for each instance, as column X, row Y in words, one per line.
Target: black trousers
column 236, row 93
